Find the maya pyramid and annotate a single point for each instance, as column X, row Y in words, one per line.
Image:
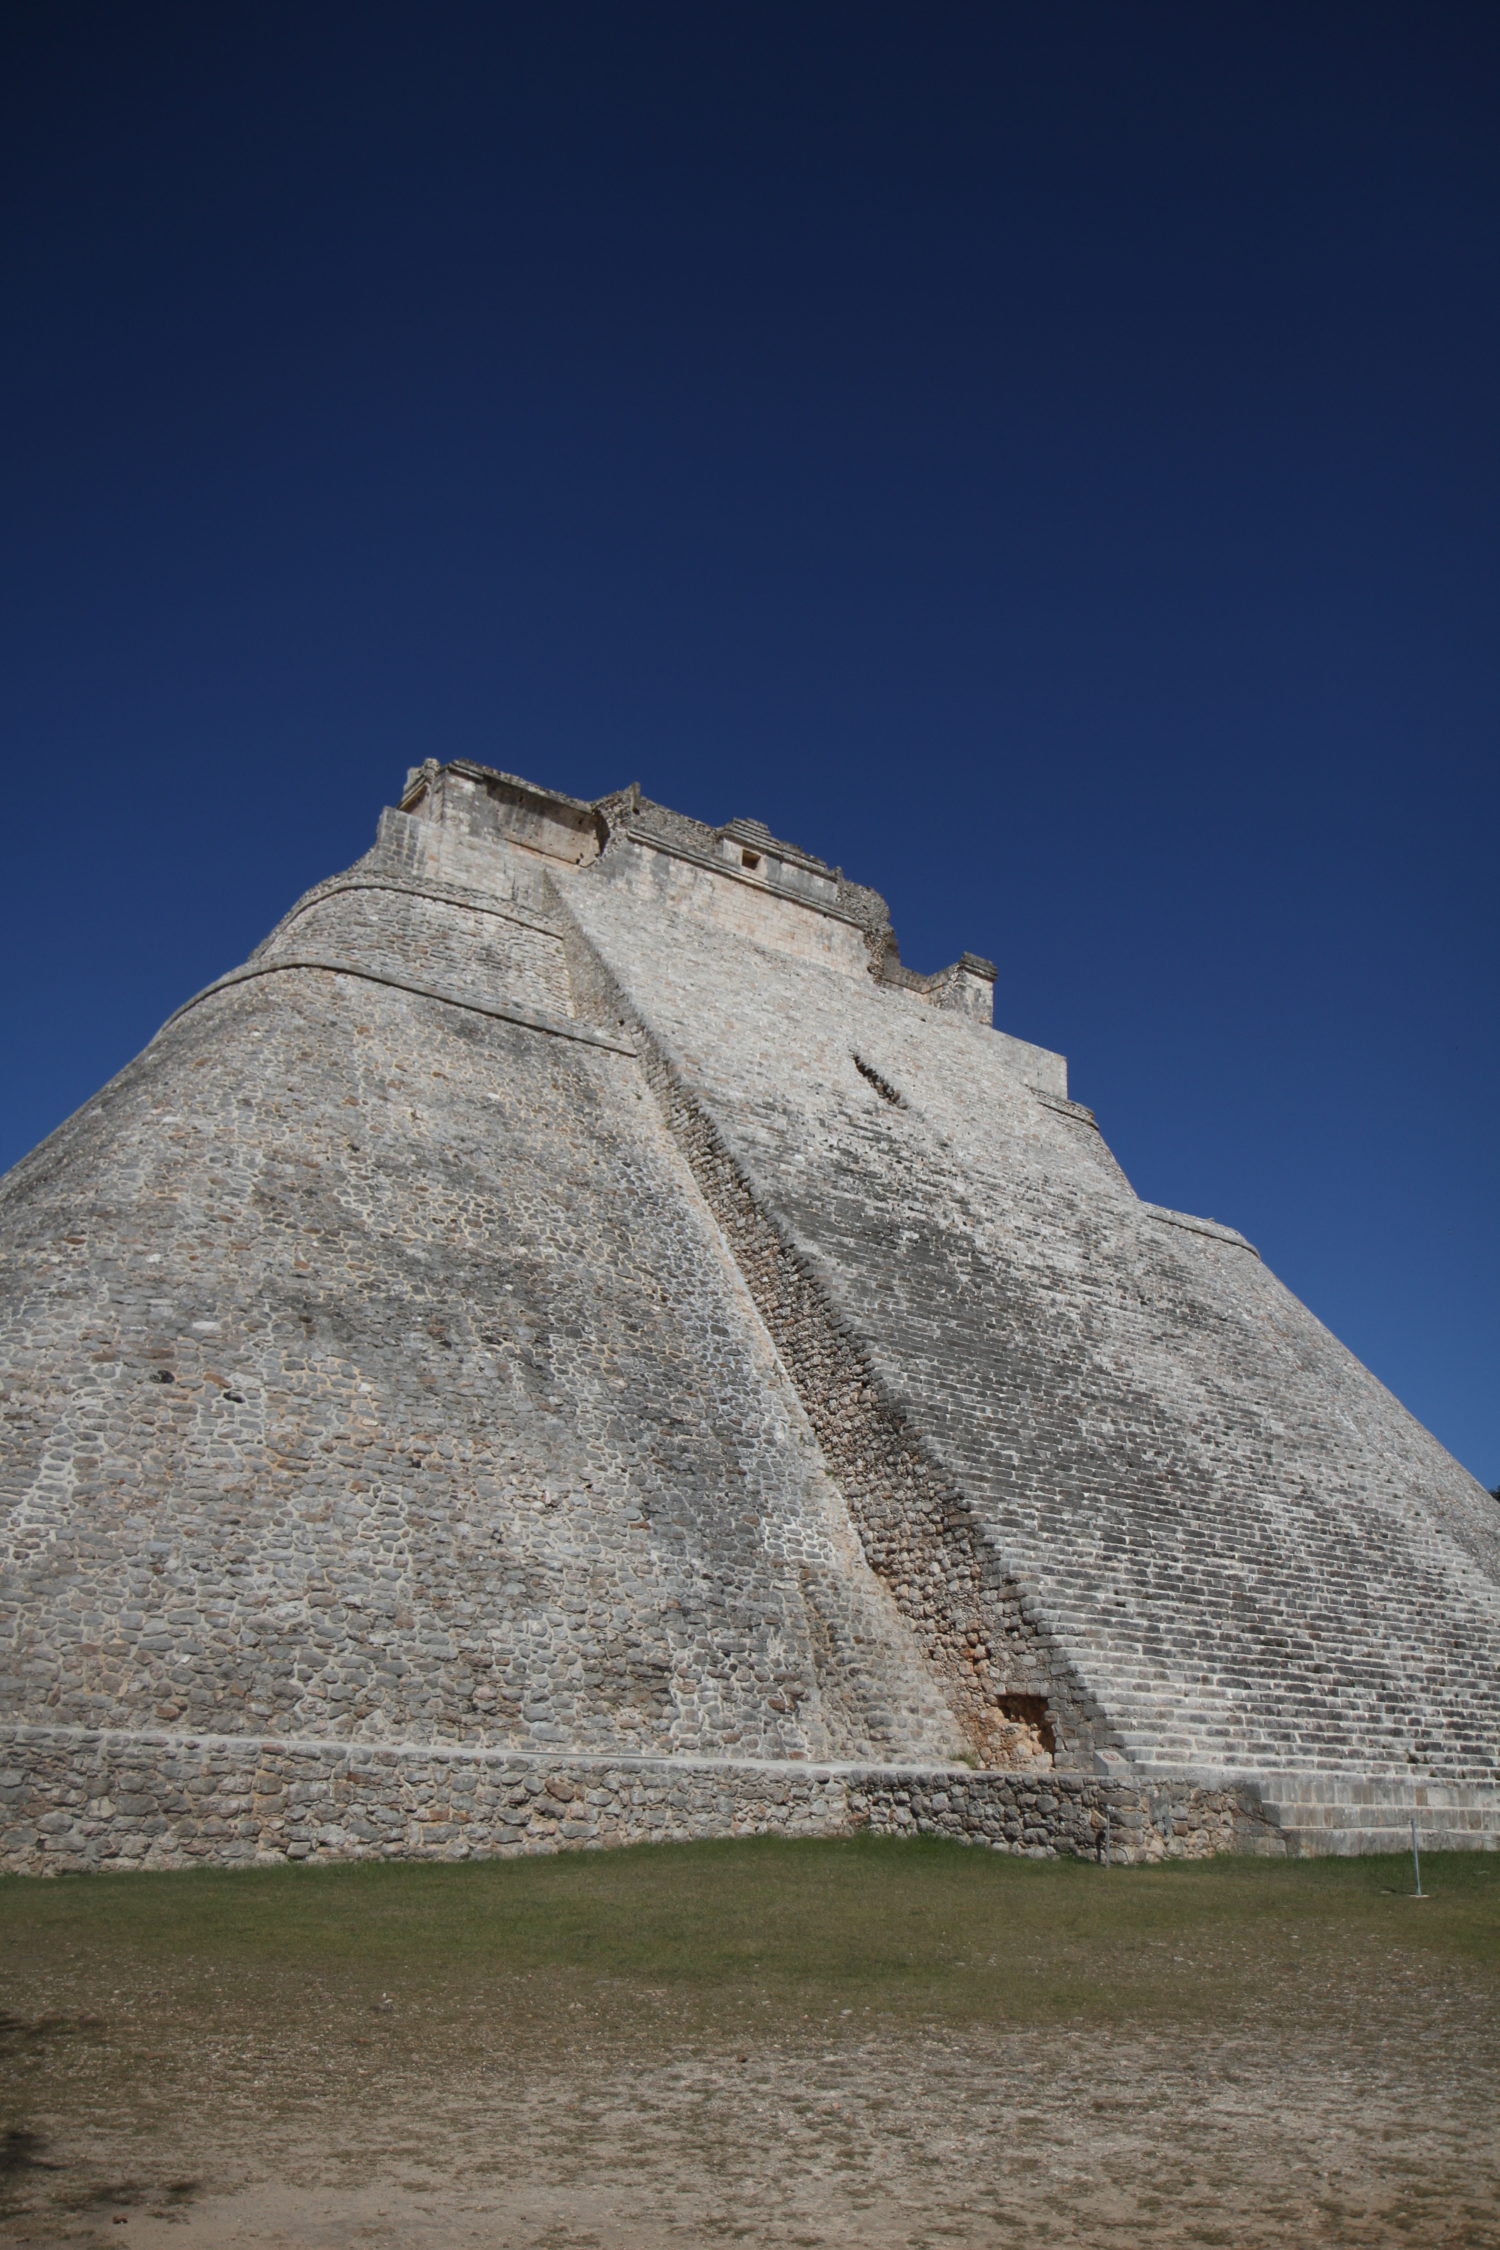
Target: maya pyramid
column 574, row 1342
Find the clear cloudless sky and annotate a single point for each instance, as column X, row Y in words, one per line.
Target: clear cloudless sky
column 1041, row 457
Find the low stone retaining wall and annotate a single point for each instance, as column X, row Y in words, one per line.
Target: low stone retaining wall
column 73, row 1800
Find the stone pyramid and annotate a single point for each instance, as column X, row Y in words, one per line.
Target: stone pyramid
column 574, row 1342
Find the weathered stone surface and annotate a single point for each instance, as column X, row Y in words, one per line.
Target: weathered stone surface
column 236, row 1800
column 575, row 1295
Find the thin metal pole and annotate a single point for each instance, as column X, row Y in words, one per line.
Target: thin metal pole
column 1416, row 1860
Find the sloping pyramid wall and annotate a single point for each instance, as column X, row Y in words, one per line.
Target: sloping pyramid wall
column 1246, row 1552
column 572, row 1343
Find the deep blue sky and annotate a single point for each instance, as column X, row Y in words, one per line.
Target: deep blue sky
column 1041, row 457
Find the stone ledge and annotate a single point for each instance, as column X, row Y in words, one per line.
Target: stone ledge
column 1079, row 1112
column 1211, row 1227
column 530, row 1019
column 492, row 1753
column 440, row 894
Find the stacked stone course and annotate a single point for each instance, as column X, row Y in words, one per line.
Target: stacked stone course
column 574, row 1308
column 94, row 1802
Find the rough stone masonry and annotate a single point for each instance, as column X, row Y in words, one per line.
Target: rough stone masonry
column 574, row 1342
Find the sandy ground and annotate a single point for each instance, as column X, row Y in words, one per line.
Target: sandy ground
column 540, row 2123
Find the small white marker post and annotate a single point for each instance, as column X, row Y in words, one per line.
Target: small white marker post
column 1416, row 1860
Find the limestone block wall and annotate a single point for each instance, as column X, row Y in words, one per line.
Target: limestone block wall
column 372, row 1369
column 668, row 884
column 484, row 952
column 79, row 1803
column 1009, row 1687
column 1246, row 1553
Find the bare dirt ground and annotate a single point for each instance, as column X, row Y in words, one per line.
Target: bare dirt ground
column 1225, row 2087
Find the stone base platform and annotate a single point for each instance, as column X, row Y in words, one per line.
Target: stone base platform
column 1323, row 1815
column 74, row 1799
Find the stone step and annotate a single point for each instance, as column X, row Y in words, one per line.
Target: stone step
column 1402, row 1790
column 1336, row 1812
column 1333, row 1814
column 1163, row 1746
column 1351, row 1843
column 1477, row 1820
